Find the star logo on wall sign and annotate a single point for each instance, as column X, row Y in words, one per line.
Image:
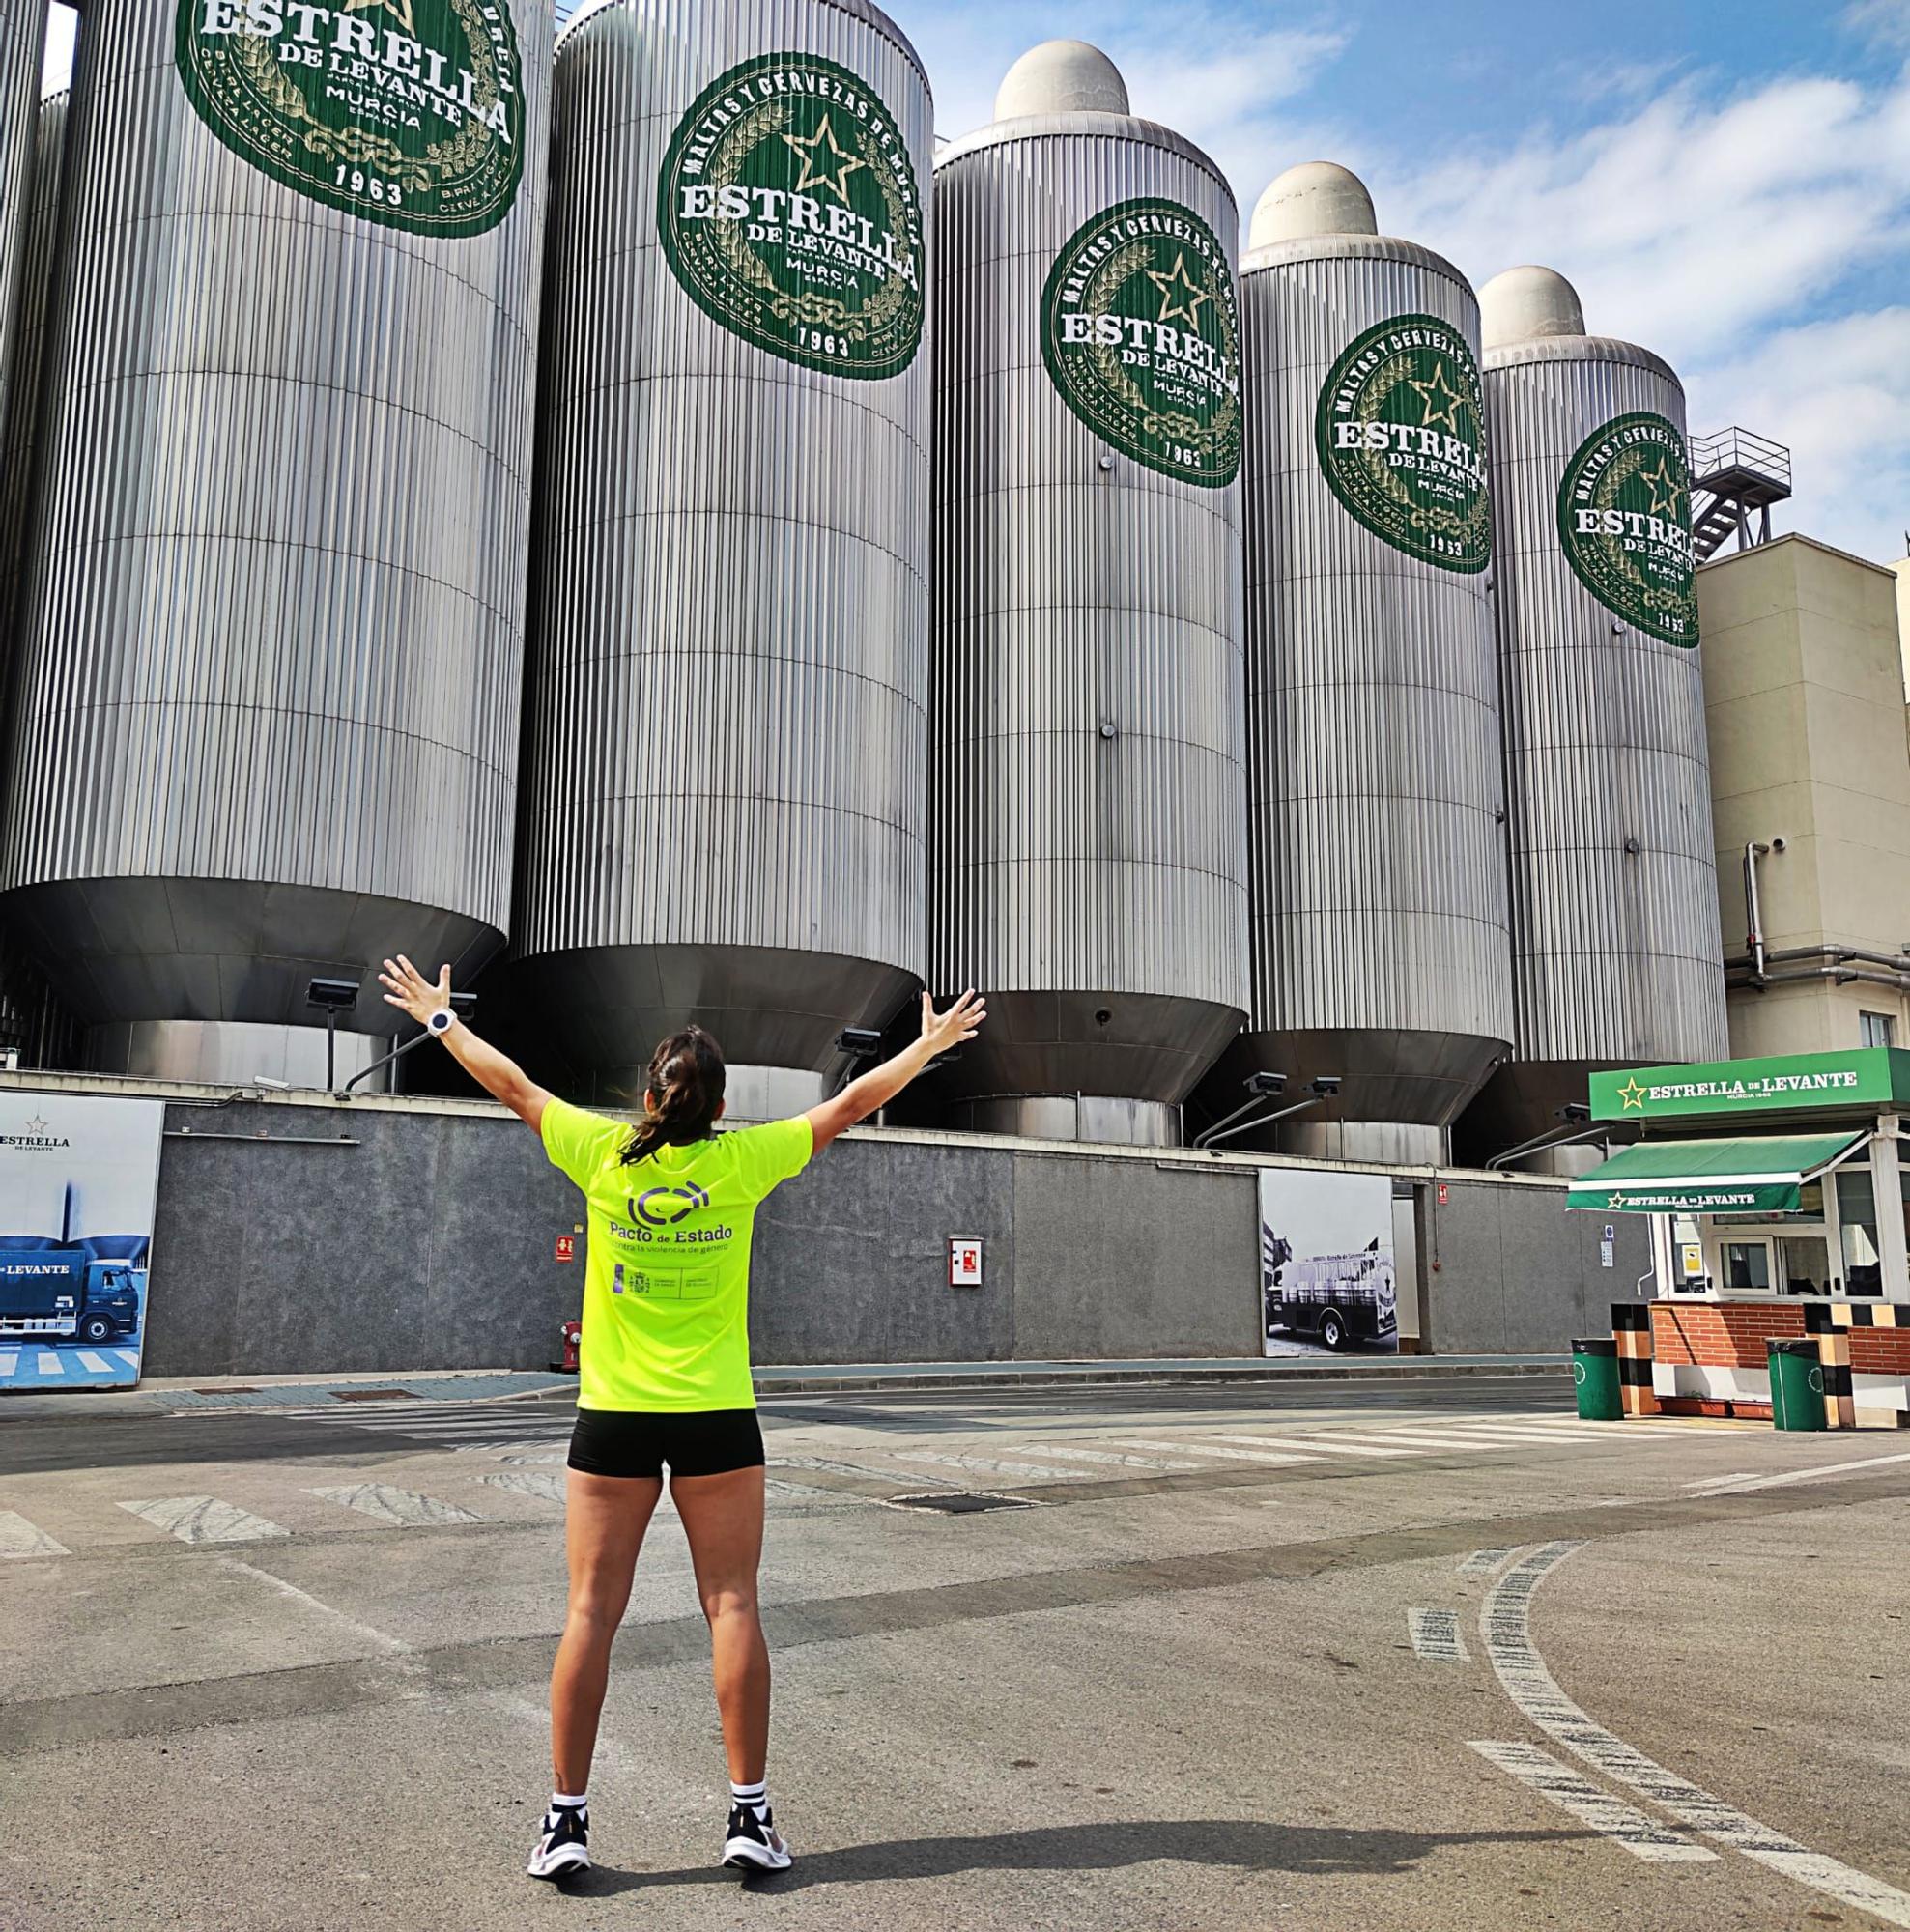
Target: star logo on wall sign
column 1665, row 487
column 1632, row 1096
column 1614, row 1201
column 37, row 1129
column 399, row 10
column 1168, row 281
column 825, row 163
column 1442, row 400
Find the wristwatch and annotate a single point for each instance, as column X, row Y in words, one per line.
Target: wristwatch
column 442, row 1021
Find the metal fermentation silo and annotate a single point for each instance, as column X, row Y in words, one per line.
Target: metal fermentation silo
column 22, row 40
column 38, row 257
column 272, row 631
column 1616, row 954
column 1380, row 953
column 724, row 741
column 1089, row 789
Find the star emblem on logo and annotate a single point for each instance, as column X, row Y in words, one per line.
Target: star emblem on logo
column 399, row 10
column 1442, row 400
column 1632, row 1093
column 1170, row 280
column 821, row 148
column 1665, row 487
column 36, row 1129
column 1614, row 1201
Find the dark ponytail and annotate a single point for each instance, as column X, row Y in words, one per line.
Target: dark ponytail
column 686, row 1084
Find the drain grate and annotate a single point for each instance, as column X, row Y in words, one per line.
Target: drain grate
column 373, row 1395
column 960, row 1502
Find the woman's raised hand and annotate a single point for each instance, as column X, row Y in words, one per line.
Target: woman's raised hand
column 942, row 1031
column 406, row 987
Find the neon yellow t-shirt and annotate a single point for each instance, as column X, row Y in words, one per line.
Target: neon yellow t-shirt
column 666, row 1286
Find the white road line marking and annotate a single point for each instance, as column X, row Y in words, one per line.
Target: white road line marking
column 1332, row 1445
column 1125, row 1461
column 129, row 1357
column 1739, row 1485
column 518, row 1446
column 383, row 1503
column 1483, row 1562
column 1506, row 1625
column 539, row 1483
column 1644, row 1837
column 97, row 1364
column 829, row 1466
column 552, row 1456
column 203, row 1519
column 1717, row 1481
column 10, row 1363
column 993, row 1466
column 21, row 1538
column 50, row 1364
column 1206, row 1448
column 1436, row 1636
column 1426, row 1438
column 383, row 1639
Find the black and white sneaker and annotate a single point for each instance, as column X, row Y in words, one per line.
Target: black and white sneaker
column 565, row 1846
column 752, row 1841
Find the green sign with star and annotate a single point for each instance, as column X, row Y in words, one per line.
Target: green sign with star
column 789, row 213
column 409, row 113
column 1624, row 517
column 1140, row 331
column 1875, row 1077
column 1401, row 434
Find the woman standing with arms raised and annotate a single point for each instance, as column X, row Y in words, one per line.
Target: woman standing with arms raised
column 665, row 1371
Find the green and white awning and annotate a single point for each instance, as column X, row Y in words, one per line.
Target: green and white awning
column 1763, row 1175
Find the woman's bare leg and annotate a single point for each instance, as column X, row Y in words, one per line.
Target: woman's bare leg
column 723, row 1519
column 607, row 1517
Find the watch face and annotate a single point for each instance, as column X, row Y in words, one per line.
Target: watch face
column 441, row 1020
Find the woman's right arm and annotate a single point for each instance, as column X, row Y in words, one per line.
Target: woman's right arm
column 501, row 1076
column 877, row 1089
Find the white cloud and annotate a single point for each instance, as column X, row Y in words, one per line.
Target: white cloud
column 62, row 27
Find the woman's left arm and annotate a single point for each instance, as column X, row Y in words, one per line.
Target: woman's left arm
column 500, row 1075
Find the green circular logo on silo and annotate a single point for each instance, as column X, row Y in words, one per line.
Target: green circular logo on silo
column 1401, row 431
column 1140, row 329
column 789, row 213
column 407, row 112
column 1624, row 517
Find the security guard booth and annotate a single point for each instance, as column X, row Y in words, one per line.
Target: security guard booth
column 1779, row 1198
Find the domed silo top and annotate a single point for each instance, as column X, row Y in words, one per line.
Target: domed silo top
column 1061, row 78
column 1526, row 303
column 1315, row 198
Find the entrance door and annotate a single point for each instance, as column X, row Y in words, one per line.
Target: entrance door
column 1745, row 1266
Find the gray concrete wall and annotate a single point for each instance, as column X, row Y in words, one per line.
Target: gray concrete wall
column 427, row 1237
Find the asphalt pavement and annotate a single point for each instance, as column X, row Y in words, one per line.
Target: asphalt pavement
column 1424, row 1654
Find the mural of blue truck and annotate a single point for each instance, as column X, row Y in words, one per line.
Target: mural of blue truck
column 63, row 1294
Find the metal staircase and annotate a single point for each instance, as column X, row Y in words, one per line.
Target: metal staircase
column 1735, row 476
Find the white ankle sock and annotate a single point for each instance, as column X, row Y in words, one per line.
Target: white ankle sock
column 564, row 1801
column 754, row 1796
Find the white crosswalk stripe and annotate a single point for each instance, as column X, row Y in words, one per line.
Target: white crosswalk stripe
column 993, row 1466
column 538, row 1483
column 1201, row 1446
column 21, row 1538
column 129, row 1357
column 10, row 1363
column 1435, row 1638
column 203, row 1519
column 1117, row 1457
column 50, row 1364
column 832, row 1465
column 98, row 1364
column 1327, row 1445
column 383, row 1503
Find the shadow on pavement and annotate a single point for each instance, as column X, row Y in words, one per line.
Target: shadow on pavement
column 1244, row 1844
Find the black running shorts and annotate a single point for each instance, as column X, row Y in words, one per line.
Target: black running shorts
column 638, row 1442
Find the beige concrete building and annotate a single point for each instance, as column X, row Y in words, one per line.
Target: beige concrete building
column 1804, row 687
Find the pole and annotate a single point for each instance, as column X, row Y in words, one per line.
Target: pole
column 331, row 1049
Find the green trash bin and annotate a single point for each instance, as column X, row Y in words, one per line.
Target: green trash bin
column 1595, row 1371
column 1797, row 1383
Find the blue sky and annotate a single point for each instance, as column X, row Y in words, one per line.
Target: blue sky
column 1728, row 184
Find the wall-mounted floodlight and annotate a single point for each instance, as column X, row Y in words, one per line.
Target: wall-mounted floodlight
column 333, row 997
column 1326, row 1087
column 464, row 1005
column 1265, row 1086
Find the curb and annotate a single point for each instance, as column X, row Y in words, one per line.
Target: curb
column 770, row 1386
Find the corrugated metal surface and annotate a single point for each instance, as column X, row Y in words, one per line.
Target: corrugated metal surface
column 38, row 259
column 1616, row 955
column 1088, row 801
column 270, row 662
column 1380, row 916
column 725, row 745
column 22, row 33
